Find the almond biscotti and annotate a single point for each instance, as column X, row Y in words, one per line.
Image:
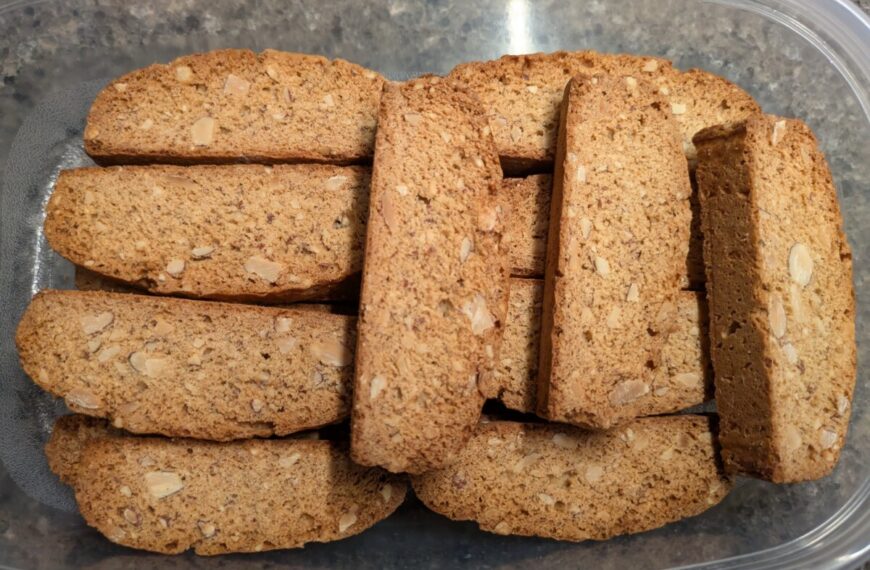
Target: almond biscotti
column 235, row 105
column 434, row 290
column 683, row 379
column 172, row 495
column 565, row 483
column 779, row 281
column 230, row 232
column 616, row 256
column 189, row 368
column 522, row 95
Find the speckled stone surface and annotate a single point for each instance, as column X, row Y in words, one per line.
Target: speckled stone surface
column 54, row 56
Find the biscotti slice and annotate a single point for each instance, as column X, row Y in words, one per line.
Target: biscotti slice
column 779, row 282
column 171, row 495
column 619, row 236
column 231, row 232
column 682, row 380
column 189, row 368
column 565, row 483
column 434, row 291
column 522, row 95
column 237, row 106
column 529, row 202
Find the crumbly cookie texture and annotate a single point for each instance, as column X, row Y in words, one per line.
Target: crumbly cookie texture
column 561, row 482
column 172, row 495
column 435, row 279
column 231, row 232
column 189, row 368
column 782, row 304
column 235, row 105
column 616, row 257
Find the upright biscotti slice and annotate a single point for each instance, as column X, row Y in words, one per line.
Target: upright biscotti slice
column 237, row 106
column 779, row 282
column 434, row 292
column 522, row 96
column 173, row 495
column 189, row 368
column 683, row 378
column 232, row 232
column 619, row 236
column 565, row 483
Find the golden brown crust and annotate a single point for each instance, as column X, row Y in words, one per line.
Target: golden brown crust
column 565, row 483
column 434, row 295
column 779, row 281
column 189, row 368
column 235, row 105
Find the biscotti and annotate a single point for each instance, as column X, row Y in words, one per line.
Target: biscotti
column 434, row 289
column 682, row 380
column 230, row 232
column 522, row 96
column 616, row 256
column 565, row 483
column 189, row 368
column 782, row 305
column 235, row 105
column 171, row 495
column 529, row 201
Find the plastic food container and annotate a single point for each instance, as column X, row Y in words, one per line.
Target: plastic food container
column 803, row 58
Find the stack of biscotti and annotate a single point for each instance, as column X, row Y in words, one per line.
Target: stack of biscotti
column 575, row 293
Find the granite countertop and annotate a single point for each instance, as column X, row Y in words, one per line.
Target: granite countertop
column 55, row 55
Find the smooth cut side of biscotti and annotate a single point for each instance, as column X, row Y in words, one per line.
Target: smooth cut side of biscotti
column 189, row 368
column 235, row 105
column 684, row 378
column 522, row 95
column 172, row 495
column 529, row 202
column 565, row 483
column 619, row 236
column 782, row 305
column 434, row 291
column 229, row 232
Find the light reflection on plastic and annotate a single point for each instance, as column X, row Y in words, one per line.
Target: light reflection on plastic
column 518, row 27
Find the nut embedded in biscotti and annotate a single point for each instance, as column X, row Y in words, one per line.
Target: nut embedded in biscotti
column 800, row 264
column 235, row 85
column 202, row 131
column 84, row 399
column 628, row 391
column 161, row 484
column 332, row 353
column 93, row 324
column 264, row 268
